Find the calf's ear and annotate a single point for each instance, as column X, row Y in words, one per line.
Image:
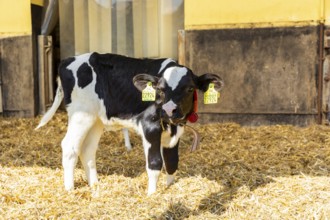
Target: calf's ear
column 140, row 81
column 204, row 80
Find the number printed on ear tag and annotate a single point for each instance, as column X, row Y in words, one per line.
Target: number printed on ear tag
column 211, row 95
column 149, row 93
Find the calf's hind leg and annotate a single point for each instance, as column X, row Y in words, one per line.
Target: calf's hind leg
column 79, row 125
column 88, row 152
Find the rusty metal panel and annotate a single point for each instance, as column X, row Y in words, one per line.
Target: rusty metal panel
column 267, row 71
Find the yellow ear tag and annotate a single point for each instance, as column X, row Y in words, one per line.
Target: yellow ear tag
column 149, row 93
column 211, row 95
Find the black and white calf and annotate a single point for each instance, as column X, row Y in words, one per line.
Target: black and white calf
column 104, row 91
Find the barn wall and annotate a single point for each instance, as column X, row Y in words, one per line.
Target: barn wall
column 18, row 86
column 19, row 26
column 270, row 74
column 270, row 54
column 15, row 18
column 210, row 14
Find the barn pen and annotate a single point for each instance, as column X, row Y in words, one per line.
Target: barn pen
column 264, row 151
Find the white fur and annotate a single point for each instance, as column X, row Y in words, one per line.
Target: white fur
column 57, row 102
column 80, row 123
column 173, row 75
column 88, row 151
column 168, row 141
column 153, row 175
column 169, row 107
column 74, row 66
column 84, row 99
column 115, row 124
column 169, row 179
column 165, row 63
column 127, row 141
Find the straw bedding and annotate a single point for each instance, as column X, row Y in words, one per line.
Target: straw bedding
column 266, row 172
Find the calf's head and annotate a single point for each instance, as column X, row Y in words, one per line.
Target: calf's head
column 175, row 91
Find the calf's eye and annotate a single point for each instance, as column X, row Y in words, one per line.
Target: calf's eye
column 190, row 89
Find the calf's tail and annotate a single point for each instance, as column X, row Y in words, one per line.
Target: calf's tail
column 57, row 102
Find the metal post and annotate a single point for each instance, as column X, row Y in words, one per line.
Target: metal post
column 45, row 70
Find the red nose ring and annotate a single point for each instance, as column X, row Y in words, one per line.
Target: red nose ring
column 193, row 117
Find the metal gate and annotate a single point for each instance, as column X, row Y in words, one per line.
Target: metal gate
column 45, row 67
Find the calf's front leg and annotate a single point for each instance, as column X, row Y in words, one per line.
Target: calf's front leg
column 154, row 161
column 171, row 160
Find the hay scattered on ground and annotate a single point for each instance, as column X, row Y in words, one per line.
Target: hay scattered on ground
column 266, row 172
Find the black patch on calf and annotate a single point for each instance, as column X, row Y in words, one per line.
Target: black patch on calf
column 84, row 75
column 171, row 158
column 67, row 79
column 155, row 161
column 174, row 129
column 152, row 133
column 170, row 64
column 114, row 82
